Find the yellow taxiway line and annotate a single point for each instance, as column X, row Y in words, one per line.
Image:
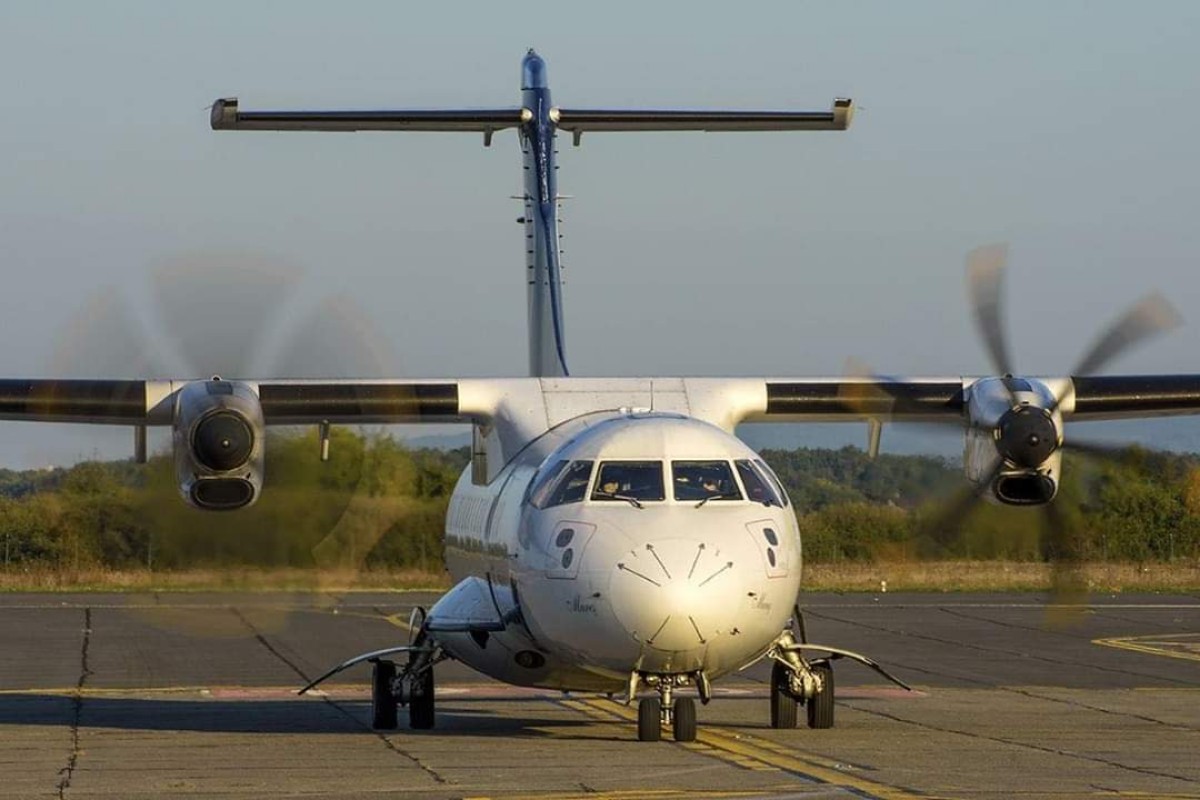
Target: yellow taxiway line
column 1165, row 645
column 752, row 752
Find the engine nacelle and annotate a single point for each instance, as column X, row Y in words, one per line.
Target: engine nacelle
column 1014, row 431
column 219, row 444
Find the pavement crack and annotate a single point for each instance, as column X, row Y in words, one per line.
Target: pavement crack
column 991, row 650
column 336, row 706
column 1025, row 745
column 85, row 671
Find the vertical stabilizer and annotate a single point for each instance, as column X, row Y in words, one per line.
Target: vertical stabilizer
column 547, row 347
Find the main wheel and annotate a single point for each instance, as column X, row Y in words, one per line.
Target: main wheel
column 649, row 719
column 783, row 705
column 383, row 702
column 420, row 706
column 820, row 707
column 684, row 722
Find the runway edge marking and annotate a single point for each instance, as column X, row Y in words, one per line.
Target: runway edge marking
column 741, row 748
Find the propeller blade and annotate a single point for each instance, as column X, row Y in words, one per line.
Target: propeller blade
column 1063, row 549
column 947, row 524
column 985, row 284
column 216, row 310
column 336, row 339
column 1149, row 317
column 1101, row 450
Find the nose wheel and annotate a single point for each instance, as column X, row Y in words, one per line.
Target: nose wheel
column 677, row 712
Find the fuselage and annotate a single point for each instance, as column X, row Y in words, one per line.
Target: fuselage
column 618, row 541
column 621, row 542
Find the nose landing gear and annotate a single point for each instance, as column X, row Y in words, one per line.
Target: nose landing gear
column 666, row 709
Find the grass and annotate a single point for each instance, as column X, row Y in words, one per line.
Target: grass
column 900, row 576
column 240, row 579
column 980, row 576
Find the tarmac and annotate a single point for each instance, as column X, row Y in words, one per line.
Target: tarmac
column 193, row 695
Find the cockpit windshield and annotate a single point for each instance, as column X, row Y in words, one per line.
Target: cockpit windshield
column 564, row 482
column 704, row 480
column 629, row 480
column 759, row 488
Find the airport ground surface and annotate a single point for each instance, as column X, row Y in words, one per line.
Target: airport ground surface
column 191, row 695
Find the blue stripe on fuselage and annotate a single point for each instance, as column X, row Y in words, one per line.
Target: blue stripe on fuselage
column 542, row 184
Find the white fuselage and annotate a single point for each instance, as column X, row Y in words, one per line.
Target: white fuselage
column 566, row 586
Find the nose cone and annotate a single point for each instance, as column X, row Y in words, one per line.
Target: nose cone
column 533, row 71
column 674, row 595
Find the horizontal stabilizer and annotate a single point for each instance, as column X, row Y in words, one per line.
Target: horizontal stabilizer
column 227, row 116
column 579, row 121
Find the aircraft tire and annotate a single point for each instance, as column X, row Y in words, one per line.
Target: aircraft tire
column 783, row 705
column 383, row 702
column 649, row 719
column 820, row 708
column 420, row 707
column 683, row 724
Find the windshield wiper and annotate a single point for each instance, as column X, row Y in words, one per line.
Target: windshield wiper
column 633, row 501
column 718, row 496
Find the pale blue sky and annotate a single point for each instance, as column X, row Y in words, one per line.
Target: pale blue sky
column 1065, row 129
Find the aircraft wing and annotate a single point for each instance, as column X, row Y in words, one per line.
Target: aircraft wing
column 535, row 404
column 142, row 402
column 227, row 116
column 1103, row 397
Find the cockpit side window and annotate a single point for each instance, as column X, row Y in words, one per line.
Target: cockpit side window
column 758, row 487
column 563, row 482
column 572, row 486
column 544, row 483
column 765, row 469
column 704, row 480
column 629, row 480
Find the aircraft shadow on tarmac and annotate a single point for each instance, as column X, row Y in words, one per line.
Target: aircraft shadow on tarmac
column 258, row 716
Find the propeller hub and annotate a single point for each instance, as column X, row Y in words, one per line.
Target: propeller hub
column 1026, row 436
column 222, row 441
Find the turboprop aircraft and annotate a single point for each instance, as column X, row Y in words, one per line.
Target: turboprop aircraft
column 612, row 534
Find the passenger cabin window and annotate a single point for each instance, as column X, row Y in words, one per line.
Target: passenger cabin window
column 564, row 482
column 758, row 486
column 704, row 480
column 629, row 480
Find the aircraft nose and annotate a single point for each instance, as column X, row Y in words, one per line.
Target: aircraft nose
column 673, row 594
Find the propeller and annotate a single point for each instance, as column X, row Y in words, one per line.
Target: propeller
column 239, row 316
column 1028, row 435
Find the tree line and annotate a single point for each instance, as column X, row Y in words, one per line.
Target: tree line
column 377, row 503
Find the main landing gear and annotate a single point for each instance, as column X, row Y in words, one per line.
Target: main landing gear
column 797, row 681
column 413, row 687
column 667, row 710
column 811, row 686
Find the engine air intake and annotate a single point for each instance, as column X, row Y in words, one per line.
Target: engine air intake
column 222, row 494
column 1025, row 490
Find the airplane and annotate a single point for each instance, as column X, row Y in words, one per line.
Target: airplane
column 613, row 535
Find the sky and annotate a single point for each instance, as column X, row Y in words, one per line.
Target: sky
column 1063, row 129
